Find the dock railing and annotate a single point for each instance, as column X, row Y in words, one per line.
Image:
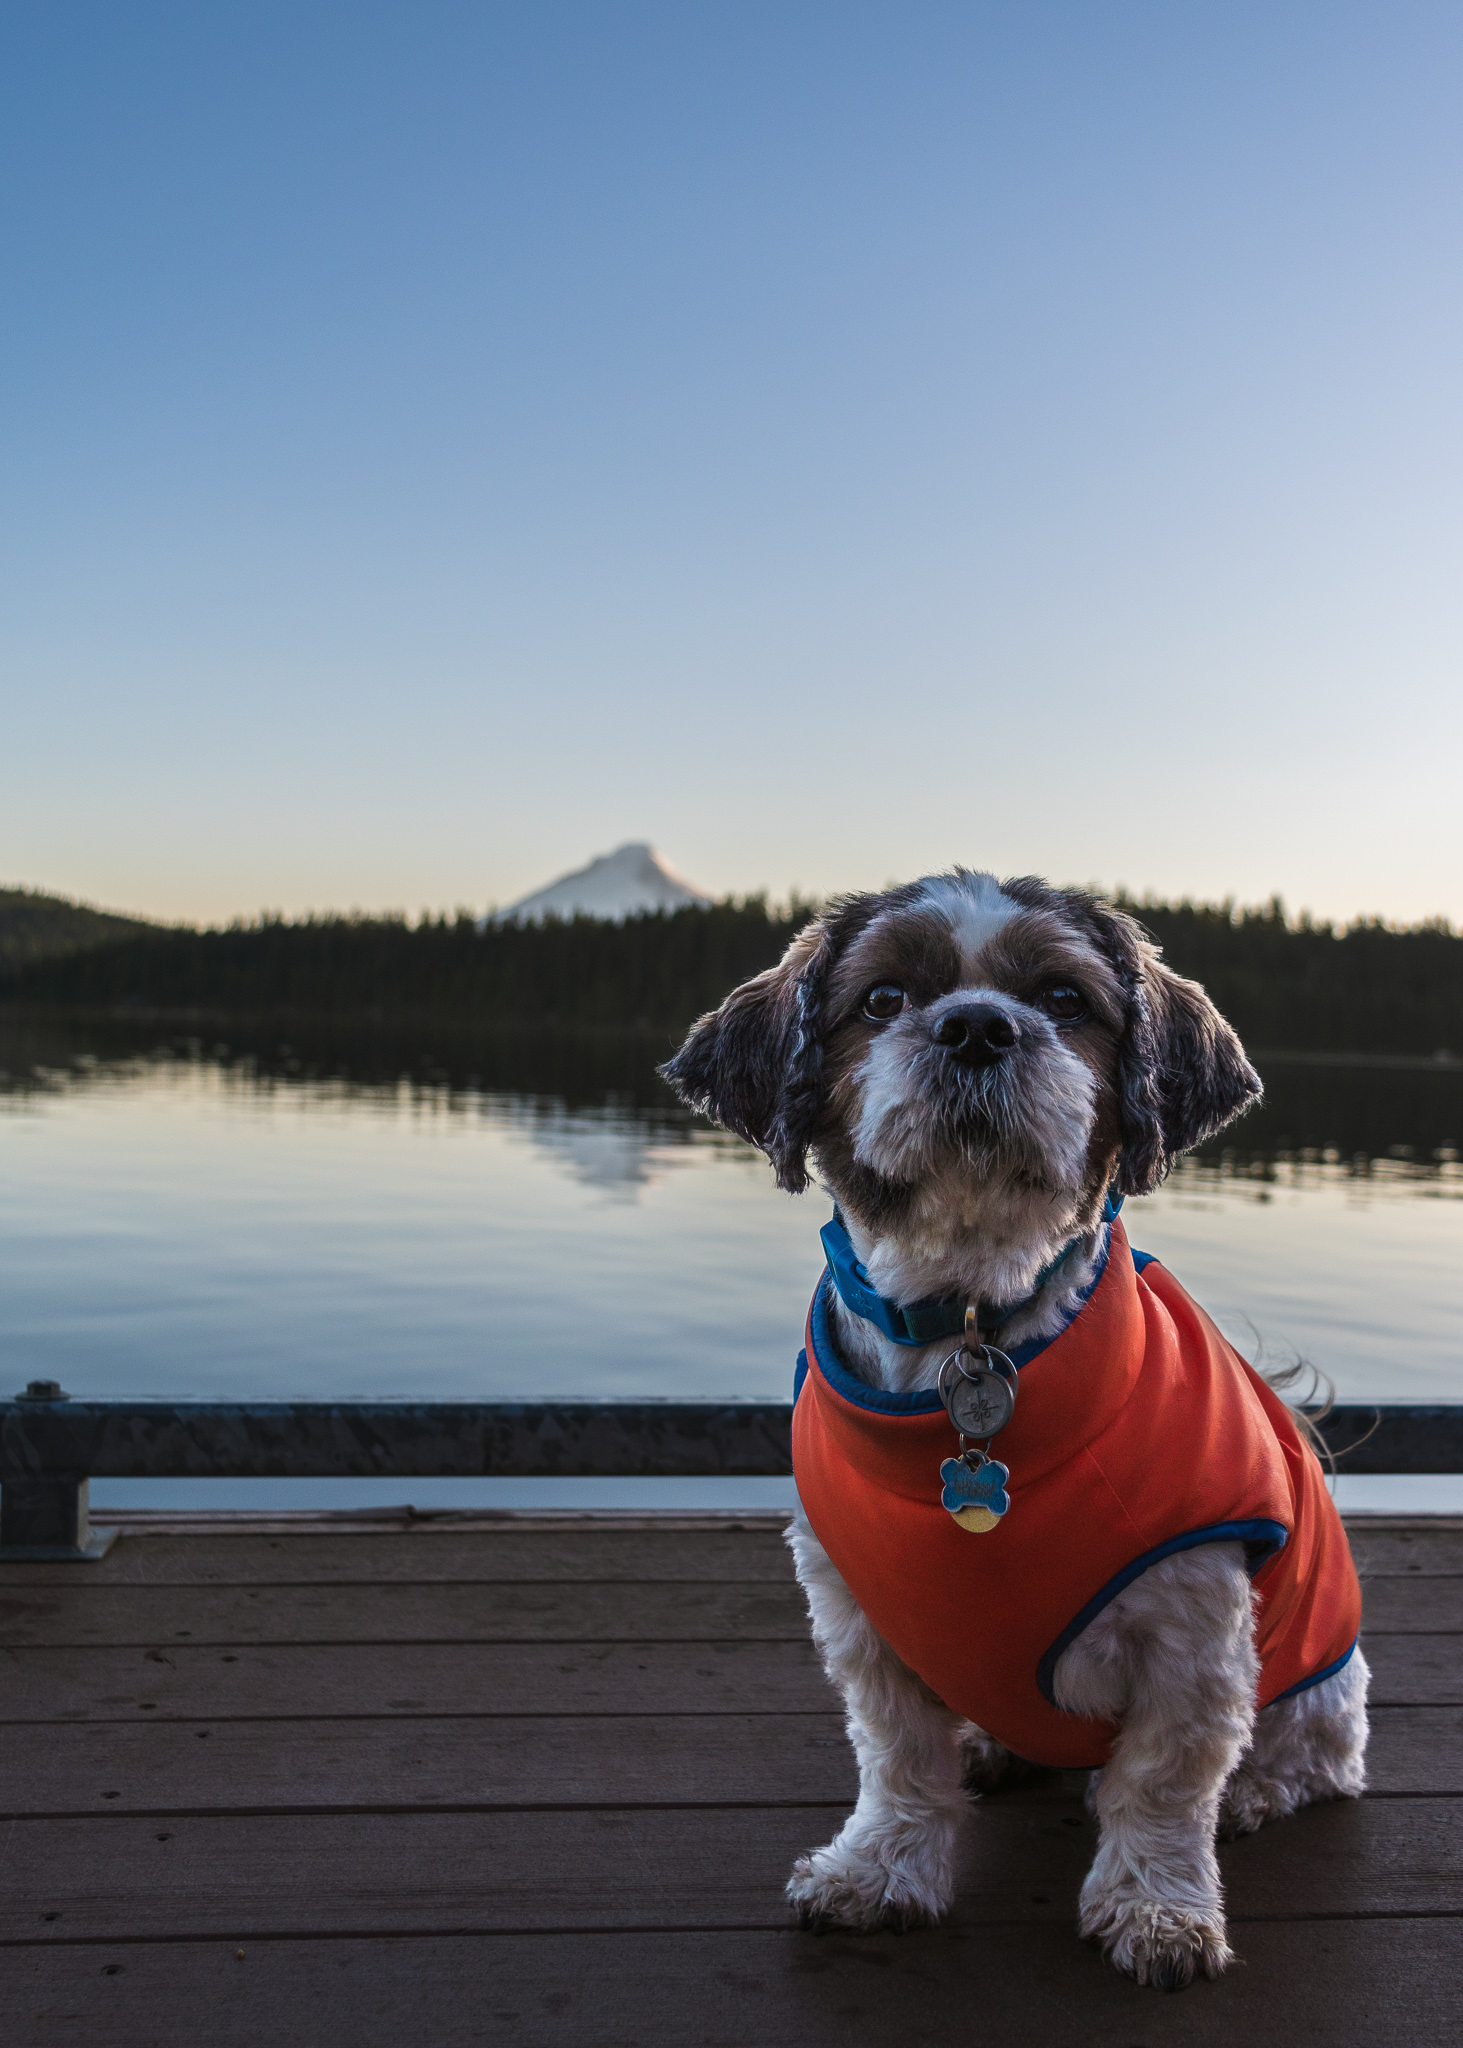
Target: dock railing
column 51, row 1446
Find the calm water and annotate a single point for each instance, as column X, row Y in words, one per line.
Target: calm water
column 373, row 1219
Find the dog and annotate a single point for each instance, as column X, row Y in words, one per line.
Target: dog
column 980, row 1070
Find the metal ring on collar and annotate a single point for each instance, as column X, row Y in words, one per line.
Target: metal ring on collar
column 979, row 1399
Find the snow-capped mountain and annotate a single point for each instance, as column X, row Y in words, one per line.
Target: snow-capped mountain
column 626, row 883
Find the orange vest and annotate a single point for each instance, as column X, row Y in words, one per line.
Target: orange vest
column 1138, row 1432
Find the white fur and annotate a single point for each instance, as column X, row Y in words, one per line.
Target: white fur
column 973, row 906
column 893, row 1861
column 1310, row 1747
column 993, row 1274
column 889, row 1133
column 1173, row 1660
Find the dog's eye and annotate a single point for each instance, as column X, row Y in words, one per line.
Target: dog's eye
column 884, row 1001
column 1063, row 1002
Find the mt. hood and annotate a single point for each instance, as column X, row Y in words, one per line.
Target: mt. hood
column 626, row 883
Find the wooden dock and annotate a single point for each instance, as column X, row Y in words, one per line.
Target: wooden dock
column 540, row 1780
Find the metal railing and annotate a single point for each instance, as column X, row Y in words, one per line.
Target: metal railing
column 51, row 1446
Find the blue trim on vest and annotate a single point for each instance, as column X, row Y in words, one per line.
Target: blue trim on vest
column 924, row 1322
column 1316, row 1677
column 1262, row 1541
column 862, row 1395
column 1142, row 1259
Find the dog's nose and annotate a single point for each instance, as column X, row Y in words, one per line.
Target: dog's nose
column 977, row 1034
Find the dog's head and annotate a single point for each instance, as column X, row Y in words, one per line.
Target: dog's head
column 1010, row 1037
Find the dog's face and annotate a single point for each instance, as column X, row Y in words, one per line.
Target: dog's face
column 970, row 1038
column 969, row 1044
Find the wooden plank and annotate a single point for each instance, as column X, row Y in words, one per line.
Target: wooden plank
column 1414, row 1749
column 1412, row 1606
column 1358, row 1857
column 1328, row 1984
column 1022, row 1859
column 392, row 1679
column 294, row 1766
column 106, row 1684
column 421, row 1873
column 1415, row 1671
column 1419, row 1548
column 512, row 1760
column 696, row 1554
column 253, row 1550
column 437, row 1678
column 95, row 1613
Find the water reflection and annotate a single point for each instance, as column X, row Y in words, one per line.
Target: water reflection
column 277, row 1219
column 1369, row 1119
column 577, row 1070
column 595, row 1102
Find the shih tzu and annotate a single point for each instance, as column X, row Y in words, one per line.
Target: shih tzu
column 1047, row 1515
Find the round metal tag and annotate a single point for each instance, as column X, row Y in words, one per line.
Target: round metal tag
column 978, row 1400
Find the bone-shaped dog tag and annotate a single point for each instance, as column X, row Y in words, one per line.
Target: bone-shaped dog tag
column 975, row 1491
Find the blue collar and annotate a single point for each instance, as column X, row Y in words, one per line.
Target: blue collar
column 923, row 1322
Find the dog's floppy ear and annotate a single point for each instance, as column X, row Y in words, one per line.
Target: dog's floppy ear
column 1182, row 1072
column 756, row 1064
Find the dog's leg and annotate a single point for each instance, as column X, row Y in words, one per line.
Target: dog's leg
column 893, row 1862
column 1312, row 1746
column 1172, row 1659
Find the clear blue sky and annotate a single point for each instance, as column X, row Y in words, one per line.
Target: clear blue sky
column 441, row 441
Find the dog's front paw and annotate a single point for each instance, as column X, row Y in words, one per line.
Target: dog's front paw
column 1155, row 1941
column 850, row 1884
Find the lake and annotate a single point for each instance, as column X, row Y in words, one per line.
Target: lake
column 342, row 1217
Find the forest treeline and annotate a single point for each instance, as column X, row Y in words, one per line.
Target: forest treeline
column 34, row 926
column 1368, row 988
column 1313, row 988
column 648, row 973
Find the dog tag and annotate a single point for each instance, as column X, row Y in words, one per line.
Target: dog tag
column 978, row 1399
column 975, row 1491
